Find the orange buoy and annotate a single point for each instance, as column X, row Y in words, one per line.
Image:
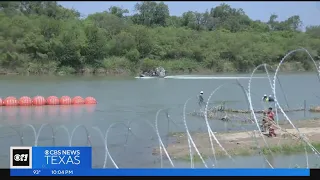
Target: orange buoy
column 53, row 100
column 10, row 101
column 38, row 101
column 25, row 101
column 90, row 100
column 1, row 102
column 65, row 100
column 77, row 100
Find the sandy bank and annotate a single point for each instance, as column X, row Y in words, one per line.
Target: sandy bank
column 243, row 143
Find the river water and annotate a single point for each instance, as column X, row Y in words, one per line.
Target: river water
column 129, row 106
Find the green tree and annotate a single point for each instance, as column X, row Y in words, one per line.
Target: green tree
column 44, row 38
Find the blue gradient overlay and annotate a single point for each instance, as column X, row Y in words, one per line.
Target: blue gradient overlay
column 160, row 172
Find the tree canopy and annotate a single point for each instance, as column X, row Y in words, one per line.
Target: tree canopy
column 45, row 38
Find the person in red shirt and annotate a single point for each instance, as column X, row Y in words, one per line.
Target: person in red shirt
column 270, row 115
column 269, row 121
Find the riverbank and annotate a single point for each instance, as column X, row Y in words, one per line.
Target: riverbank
column 128, row 69
column 233, row 114
column 244, row 143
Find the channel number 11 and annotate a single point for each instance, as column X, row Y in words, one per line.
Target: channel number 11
column 21, row 157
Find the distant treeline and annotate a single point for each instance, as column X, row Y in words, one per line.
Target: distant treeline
column 46, row 38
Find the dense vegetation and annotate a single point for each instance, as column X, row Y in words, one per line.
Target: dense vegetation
column 45, row 38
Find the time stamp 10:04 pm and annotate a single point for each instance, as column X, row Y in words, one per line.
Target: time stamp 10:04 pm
column 55, row 172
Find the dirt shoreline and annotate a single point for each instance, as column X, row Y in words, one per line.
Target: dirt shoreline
column 243, row 143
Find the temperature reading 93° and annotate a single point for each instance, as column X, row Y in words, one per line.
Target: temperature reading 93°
column 36, row 171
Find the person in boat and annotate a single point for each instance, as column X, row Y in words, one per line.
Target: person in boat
column 154, row 73
column 270, row 98
column 266, row 98
column 201, row 100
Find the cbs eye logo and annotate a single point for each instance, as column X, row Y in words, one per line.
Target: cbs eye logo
column 20, row 157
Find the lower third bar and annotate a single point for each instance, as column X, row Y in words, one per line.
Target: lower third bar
column 160, row 172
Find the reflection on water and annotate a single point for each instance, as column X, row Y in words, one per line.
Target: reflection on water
column 43, row 114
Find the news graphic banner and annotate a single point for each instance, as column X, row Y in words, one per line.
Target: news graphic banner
column 50, row 158
column 160, row 172
column 77, row 161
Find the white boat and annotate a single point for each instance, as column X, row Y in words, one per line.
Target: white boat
column 146, row 77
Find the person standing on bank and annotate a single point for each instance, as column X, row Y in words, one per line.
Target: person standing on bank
column 201, row 100
column 270, row 123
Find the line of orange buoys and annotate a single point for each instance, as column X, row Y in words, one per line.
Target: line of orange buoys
column 41, row 101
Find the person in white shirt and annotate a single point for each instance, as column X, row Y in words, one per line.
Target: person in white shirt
column 201, row 100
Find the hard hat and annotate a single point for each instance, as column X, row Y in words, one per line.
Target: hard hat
column 201, row 92
column 265, row 95
column 270, row 95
